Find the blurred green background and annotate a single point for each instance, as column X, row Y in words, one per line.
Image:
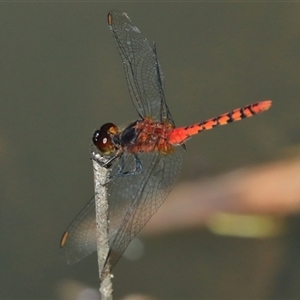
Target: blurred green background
column 61, row 78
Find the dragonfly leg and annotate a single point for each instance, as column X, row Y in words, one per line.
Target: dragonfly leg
column 104, row 162
column 138, row 168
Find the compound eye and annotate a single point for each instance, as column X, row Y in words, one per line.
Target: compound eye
column 102, row 138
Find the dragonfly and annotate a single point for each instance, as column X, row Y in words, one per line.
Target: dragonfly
column 143, row 158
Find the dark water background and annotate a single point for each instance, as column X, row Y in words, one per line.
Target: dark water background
column 61, row 78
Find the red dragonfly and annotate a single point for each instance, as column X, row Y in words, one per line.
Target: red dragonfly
column 143, row 159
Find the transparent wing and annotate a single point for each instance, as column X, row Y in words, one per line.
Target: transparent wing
column 79, row 240
column 142, row 69
column 134, row 199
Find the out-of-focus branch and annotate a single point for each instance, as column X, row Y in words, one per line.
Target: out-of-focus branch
column 100, row 177
column 271, row 189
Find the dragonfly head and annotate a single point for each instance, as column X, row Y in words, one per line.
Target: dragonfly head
column 103, row 138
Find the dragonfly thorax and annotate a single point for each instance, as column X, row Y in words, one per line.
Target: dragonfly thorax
column 147, row 135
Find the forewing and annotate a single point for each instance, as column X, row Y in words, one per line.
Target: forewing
column 133, row 199
column 142, row 69
column 79, row 240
